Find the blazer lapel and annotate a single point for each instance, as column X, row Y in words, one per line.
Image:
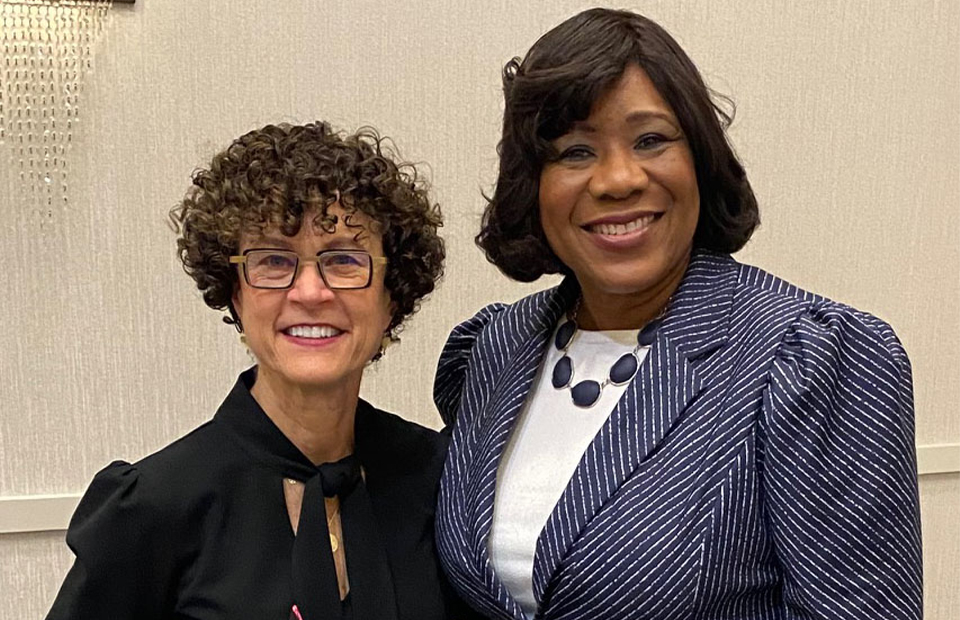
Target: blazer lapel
column 523, row 340
column 695, row 324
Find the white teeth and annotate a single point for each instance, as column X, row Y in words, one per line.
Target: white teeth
column 622, row 229
column 314, row 331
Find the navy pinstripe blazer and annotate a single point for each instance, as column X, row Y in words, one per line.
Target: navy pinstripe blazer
column 760, row 466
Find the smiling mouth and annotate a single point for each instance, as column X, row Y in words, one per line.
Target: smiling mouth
column 312, row 331
column 622, row 229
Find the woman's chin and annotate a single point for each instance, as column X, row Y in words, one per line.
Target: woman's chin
column 628, row 281
column 308, row 375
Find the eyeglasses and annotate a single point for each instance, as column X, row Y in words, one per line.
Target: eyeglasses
column 277, row 269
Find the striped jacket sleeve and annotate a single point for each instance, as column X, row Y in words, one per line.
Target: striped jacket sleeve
column 454, row 362
column 839, row 469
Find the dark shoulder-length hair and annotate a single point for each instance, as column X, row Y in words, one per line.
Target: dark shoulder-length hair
column 555, row 86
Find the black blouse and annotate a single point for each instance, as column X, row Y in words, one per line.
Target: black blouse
column 200, row 530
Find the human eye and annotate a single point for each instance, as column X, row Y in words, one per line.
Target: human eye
column 650, row 141
column 346, row 269
column 575, row 153
column 270, row 268
column 272, row 259
column 346, row 259
column 276, row 260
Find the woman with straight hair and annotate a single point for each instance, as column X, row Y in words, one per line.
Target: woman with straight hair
column 669, row 433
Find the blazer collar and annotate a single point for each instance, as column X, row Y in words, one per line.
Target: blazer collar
column 513, row 350
column 698, row 317
column 538, row 314
column 696, row 323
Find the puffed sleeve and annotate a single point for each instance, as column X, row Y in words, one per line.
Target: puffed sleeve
column 454, row 361
column 122, row 568
column 838, row 465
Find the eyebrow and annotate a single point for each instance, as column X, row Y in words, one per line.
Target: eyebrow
column 338, row 242
column 633, row 117
column 344, row 242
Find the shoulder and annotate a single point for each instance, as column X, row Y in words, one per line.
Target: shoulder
column 805, row 318
column 499, row 318
column 121, row 512
column 831, row 342
column 827, row 368
column 191, row 463
column 160, row 491
column 127, row 546
column 455, row 358
column 824, row 351
column 114, row 490
column 488, row 339
column 403, row 460
column 760, row 292
column 812, row 319
column 780, row 326
column 719, row 293
column 384, row 437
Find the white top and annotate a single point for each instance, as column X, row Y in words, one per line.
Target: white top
column 545, row 448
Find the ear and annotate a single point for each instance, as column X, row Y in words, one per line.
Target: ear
column 234, row 309
column 391, row 312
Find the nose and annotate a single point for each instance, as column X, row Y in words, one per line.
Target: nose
column 618, row 174
column 308, row 286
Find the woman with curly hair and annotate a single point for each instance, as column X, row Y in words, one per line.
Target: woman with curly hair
column 668, row 434
column 298, row 499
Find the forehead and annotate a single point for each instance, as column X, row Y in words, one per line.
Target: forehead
column 338, row 225
column 625, row 93
column 632, row 97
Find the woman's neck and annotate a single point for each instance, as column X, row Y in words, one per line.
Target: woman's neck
column 318, row 422
column 600, row 310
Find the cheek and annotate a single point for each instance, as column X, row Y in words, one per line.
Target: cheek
column 693, row 200
column 387, row 308
column 256, row 309
column 552, row 202
column 687, row 179
column 680, row 180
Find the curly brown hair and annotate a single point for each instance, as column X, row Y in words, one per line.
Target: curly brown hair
column 555, row 86
column 272, row 177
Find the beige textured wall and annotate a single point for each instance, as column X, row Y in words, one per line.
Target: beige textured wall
column 848, row 124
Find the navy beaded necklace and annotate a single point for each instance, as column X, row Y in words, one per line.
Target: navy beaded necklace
column 586, row 393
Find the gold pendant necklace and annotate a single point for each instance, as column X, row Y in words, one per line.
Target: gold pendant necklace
column 334, row 541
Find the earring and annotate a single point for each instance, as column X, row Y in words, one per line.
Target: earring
column 246, row 345
column 385, row 342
